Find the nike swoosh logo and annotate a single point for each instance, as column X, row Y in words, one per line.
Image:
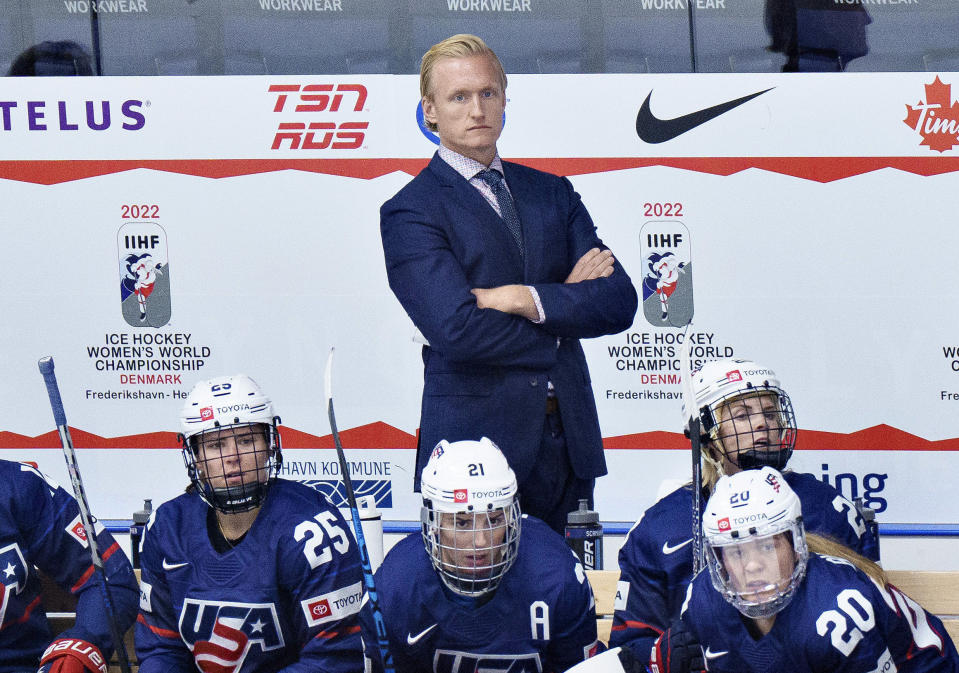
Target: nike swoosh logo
column 412, row 640
column 714, row 655
column 652, row 129
column 667, row 549
column 171, row 566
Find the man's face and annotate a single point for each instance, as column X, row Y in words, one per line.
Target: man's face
column 466, row 102
column 759, row 569
column 472, row 544
column 749, row 423
column 233, row 456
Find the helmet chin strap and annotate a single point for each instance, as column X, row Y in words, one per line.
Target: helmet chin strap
column 754, row 460
column 236, row 499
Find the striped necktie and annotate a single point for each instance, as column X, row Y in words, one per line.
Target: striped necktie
column 507, row 208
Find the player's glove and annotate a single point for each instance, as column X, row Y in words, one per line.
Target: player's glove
column 72, row 655
column 676, row 651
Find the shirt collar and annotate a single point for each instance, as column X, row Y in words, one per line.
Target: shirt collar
column 465, row 166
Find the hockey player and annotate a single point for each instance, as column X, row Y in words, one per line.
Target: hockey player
column 748, row 422
column 245, row 572
column 777, row 599
column 478, row 596
column 40, row 528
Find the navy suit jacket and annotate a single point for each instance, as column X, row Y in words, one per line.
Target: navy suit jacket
column 486, row 371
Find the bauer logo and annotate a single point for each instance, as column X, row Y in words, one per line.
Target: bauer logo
column 225, row 633
column 334, row 605
column 461, row 495
column 668, row 281
column 144, row 274
column 935, row 119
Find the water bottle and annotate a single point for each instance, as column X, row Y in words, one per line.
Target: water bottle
column 584, row 535
column 372, row 522
column 140, row 519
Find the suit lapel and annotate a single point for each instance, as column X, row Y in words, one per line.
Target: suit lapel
column 482, row 215
column 530, row 209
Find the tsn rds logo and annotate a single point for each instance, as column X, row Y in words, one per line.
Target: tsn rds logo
column 307, row 109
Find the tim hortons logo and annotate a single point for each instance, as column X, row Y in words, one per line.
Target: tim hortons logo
column 936, row 119
column 313, row 99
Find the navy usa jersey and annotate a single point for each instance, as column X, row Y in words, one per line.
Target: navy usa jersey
column 286, row 597
column 839, row 621
column 656, row 561
column 40, row 526
column 540, row 618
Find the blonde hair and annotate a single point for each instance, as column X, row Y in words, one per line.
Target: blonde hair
column 713, row 450
column 825, row 546
column 456, row 46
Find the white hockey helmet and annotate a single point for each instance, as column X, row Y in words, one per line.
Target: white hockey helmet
column 230, row 411
column 765, row 434
column 755, row 542
column 471, row 515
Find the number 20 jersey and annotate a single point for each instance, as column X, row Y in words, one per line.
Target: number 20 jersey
column 656, row 562
column 286, row 597
column 839, row 621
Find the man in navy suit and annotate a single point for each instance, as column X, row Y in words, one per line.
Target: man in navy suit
column 500, row 268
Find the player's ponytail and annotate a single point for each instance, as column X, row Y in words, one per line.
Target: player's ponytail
column 825, row 546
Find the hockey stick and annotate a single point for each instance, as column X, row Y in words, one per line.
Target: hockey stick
column 60, row 418
column 381, row 637
column 694, row 432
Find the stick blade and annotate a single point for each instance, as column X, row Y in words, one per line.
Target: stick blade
column 328, row 377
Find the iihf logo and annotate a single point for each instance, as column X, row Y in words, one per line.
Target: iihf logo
column 668, row 283
column 144, row 274
column 221, row 634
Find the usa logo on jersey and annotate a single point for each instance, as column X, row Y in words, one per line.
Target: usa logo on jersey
column 13, row 576
column 221, row 634
column 454, row 661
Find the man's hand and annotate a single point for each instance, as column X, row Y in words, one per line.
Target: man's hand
column 595, row 263
column 513, row 299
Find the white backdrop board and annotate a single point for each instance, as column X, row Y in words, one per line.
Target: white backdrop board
column 815, row 222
